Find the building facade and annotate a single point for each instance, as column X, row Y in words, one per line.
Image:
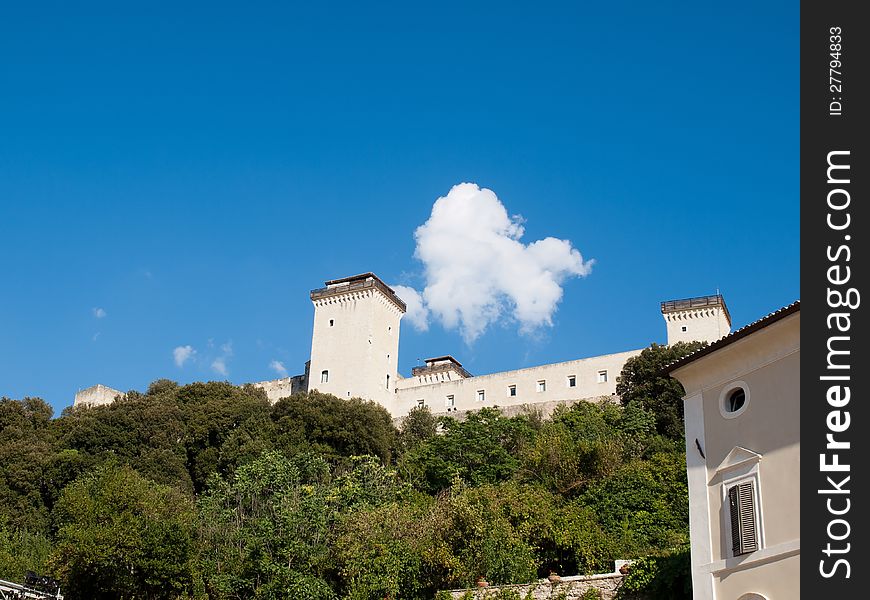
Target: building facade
column 742, row 415
column 355, row 353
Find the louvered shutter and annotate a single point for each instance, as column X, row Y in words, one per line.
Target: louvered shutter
column 744, row 536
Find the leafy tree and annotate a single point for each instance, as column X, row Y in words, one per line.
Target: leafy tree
column 665, row 576
column 483, row 448
column 418, row 426
column 22, row 551
column 25, row 447
column 643, row 381
column 333, row 426
column 266, row 532
column 395, row 550
column 213, row 414
column 644, row 506
column 122, row 536
column 28, row 413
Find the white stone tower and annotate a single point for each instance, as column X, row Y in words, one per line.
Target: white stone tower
column 704, row 319
column 355, row 344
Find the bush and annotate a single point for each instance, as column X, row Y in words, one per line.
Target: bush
column 667, row 576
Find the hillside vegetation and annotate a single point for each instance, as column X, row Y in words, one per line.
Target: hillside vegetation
column 208, row 491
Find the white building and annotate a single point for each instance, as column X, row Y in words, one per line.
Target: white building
column 355, row 353
column 742, row 415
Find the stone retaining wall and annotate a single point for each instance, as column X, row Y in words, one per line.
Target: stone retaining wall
column 569, row 588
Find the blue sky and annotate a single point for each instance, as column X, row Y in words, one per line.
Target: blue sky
column 193, row 171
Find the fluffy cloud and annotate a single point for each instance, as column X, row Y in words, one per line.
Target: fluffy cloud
column 182, row 354
column 417, row 313
column 477, row 270
column 219, row 366
column 99, row 313
column 278, row 367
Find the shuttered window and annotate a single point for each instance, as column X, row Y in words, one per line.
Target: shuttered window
column 744, row 534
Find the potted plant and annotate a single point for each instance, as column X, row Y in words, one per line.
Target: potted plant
column 482, row 582
column 554, row 577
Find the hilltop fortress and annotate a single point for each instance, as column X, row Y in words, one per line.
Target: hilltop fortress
column 355, row 351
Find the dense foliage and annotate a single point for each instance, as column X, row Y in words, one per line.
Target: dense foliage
column 208, row 491
column 644, row 382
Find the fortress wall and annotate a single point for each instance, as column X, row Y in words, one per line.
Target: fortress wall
column 96, row 395
column 496, row 386
column 568, row 588
column 281, row 388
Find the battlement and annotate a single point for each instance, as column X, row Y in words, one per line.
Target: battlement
column 358, row 283
column 697, row 302
column 440, row 364
column 702, row 318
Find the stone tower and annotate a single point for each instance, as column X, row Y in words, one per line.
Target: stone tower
column 355, row 343
column 704, row 318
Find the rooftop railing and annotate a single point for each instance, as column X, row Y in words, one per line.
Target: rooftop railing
column 354, row 286
column 697, row 302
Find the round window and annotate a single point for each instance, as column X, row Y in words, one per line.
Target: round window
column 734, row 399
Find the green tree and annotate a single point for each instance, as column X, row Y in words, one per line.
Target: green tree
column 418, row 426
column 22, row 551
column 268, row 530
column 122, row 536
column 333, row 426
column 582, row 443
column 225, row 425
column 26, row 446
column 644, row 506
column 484, row 448
column 395, row 550
column 643, row 381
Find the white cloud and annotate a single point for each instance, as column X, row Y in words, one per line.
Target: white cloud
column 219, row 365
column 278, row 367
column 99, row 313
column 417, row 313
column 182, row 354
column 477, row 270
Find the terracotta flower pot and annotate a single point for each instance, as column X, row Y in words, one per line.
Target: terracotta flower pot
column 482, row 582
column 554, row 577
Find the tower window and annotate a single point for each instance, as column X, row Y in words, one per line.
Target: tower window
column 602, row 376
column 542, row 386
column 481, row 395
column 684, row 328
column 421, row 403
column 512, row 390
column 572, row 381
column 331, row 322
column 324, row 377
column 451, row 403
column 388, row 382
